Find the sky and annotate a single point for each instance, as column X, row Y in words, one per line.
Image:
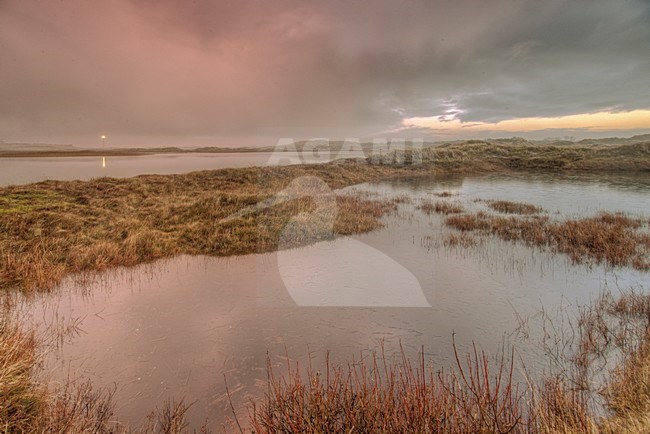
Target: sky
column 244, row 72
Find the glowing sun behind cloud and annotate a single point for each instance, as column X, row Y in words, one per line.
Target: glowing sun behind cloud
column 601, row 121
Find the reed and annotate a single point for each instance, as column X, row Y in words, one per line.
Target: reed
column 439, row 207
column 29, row 406
column 478, row 396
column 610, row 238
column 508, row 207
column 460, row 240
column 386, row 396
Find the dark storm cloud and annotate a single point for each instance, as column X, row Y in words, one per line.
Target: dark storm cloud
column 213, row 70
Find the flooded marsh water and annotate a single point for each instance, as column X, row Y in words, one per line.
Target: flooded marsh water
column 15, row 171
column 177, row 327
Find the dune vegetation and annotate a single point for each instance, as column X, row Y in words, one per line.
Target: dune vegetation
column 519, row 154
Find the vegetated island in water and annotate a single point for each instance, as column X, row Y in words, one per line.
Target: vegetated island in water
column 56, row 228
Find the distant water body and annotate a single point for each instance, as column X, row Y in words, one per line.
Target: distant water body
column 17, row 171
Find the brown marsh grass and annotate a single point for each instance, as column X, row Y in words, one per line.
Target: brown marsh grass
column 610, row 238
column 477, row 395
column 26, row 406
column 479, row 155
column 29, row 406
column 444, row 194
column 508, row 207
column 53, row 229
column 439, row 207
column 460, row 240
column 393, row 397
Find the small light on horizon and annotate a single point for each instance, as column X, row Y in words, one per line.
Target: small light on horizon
column 103, row 136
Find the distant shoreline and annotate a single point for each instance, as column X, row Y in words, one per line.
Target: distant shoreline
column 18, row 150
column 123, row 153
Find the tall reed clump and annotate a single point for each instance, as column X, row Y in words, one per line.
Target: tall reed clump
column 605, row 387
column 508, row 207
column 28, row 406
column 610, row 238
column 589, row 394
column 439, row 207
column 20, row 399
column 393, row 397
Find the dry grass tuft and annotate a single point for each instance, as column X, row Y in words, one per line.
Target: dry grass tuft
column 439, row 207
column 508, row 207
column 610, row 238
column 460, row 240
column 20, row 400
column 27, row 407
column 444, row 194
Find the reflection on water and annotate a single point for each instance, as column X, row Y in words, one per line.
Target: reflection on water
column 569, row 194
column 15, row 171
column 176, row 328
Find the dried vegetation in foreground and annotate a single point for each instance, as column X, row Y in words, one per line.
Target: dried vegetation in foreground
column 28, row 406
column 479, row 396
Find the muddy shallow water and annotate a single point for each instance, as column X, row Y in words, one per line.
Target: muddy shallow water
column 177, row 327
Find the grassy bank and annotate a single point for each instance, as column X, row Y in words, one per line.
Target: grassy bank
column 522, row 155
column 52, row 229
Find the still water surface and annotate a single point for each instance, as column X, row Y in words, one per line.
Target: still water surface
column 14, row 171
column 175, row 328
